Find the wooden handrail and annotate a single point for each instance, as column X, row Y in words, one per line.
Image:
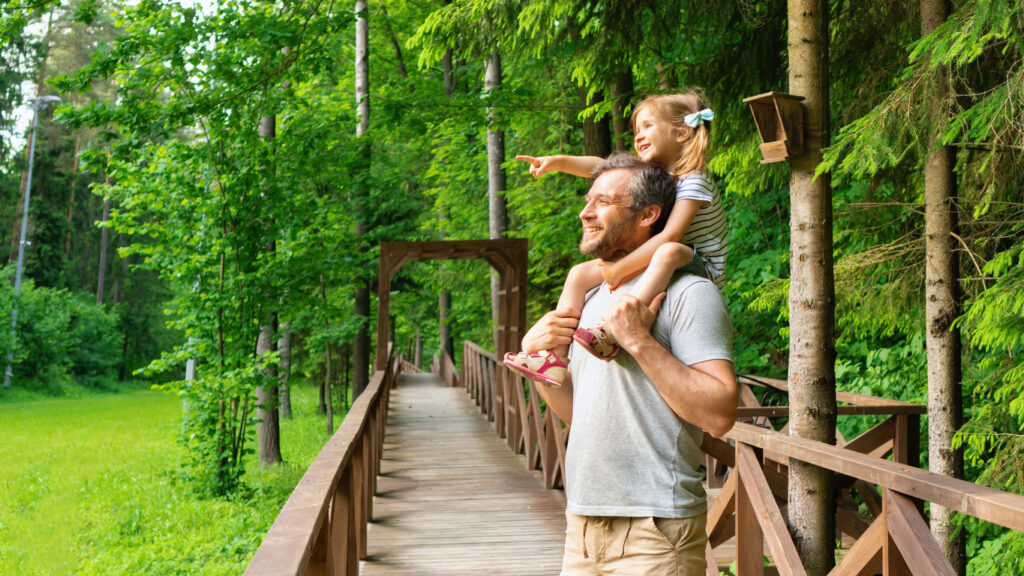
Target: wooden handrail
column 322, row 527
column 746, row 507
column 975, row 500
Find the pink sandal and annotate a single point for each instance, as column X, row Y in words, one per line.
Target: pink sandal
column 597, row 341
column 544, row 366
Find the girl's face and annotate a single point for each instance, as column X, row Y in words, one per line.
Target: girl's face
column 656, row 141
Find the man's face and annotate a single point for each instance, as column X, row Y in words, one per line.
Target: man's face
column 610, row 227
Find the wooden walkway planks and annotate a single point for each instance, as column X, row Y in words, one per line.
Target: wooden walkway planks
column 452, row 498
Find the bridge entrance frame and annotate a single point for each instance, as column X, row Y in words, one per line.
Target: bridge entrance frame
column 509, row 256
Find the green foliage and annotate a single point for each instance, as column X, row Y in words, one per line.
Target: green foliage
column 60, row 337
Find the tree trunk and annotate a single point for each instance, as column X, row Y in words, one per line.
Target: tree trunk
column 71, row 196
column 328, row 386
column 445, row 298
column 104, row 237
column 268, row 428
column 361, row 345
column 449, row 74
column 942, row 306
column 445, row 307
column 812, row 292
column 622, row 94
column 597, row 136
column 495, row 179
column 418, row 355
column 284, row 372
column 346, row 353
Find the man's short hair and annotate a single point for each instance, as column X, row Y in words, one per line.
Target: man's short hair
column 649, row 185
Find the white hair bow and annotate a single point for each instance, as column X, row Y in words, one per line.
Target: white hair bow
column 698, row 118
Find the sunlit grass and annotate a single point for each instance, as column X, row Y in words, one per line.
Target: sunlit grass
column 93, row 486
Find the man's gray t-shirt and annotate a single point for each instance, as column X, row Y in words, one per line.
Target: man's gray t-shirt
column 629, row 454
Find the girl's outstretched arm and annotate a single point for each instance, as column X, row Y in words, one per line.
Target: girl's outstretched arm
column 621, row 271
column 575, row 165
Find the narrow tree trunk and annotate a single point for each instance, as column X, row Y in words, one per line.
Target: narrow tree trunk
column 622, row 94
column 284, row 372
column 942, row 306
column 445, row 298
column 361, row 345
column 104, row 237
column 346, row 353
column 268, row 427
column 418, row 355
column 812, row 292
column 495, row 179
column 328, row 386
column 597, row 136
column 396, row 46
column 445, row 307
column 449, row 74
column 71, row 196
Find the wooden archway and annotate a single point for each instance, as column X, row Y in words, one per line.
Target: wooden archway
column 507, row 255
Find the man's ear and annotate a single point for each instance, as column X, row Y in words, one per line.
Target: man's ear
column 649, row 215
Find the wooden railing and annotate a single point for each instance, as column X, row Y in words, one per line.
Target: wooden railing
column 443, row 365
column 751, row 466
column 322, row 527
column 515, row 408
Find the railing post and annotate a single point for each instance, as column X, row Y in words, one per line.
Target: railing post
column 893, row 563
column 749, row 537
column 906, row 447
column 358, row 502
column 368, row 482
column 342, row 552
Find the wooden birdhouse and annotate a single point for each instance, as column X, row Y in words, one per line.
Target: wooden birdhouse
column 780, row 123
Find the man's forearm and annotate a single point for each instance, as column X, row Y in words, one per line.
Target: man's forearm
column 704, row 394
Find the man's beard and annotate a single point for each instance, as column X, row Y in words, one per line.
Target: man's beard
column 612, row 244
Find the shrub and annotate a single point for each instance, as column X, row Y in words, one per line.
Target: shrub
column 60, row 337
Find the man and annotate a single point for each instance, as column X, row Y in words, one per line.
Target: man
column 635, row 503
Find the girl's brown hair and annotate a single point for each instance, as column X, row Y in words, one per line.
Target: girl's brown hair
column 673, row 108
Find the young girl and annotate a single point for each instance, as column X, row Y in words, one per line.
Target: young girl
column 673, row 131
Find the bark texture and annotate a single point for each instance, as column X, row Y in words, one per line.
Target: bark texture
column 597, row 135
column 361, row 343
column 445, row 307
column 418, row 349
column 812, row 387
column 284, row 372
column 942, row 306
column 622, row 95
column 495, row 179
column 268, row 428
column 101, row 277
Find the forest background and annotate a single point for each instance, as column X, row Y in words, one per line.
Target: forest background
column 245, row 170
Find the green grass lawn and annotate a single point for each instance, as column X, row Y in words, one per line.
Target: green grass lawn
column 92, row 485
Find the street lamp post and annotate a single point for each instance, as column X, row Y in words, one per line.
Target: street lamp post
column 37, row 104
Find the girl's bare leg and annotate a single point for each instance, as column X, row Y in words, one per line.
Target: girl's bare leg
column 667, row 259
column 549, row 366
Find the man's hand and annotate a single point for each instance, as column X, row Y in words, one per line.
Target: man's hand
column 552, row 330
column 630, row 321
column 539, row 165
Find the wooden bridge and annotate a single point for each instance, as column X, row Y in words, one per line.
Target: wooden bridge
column 438, row 490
